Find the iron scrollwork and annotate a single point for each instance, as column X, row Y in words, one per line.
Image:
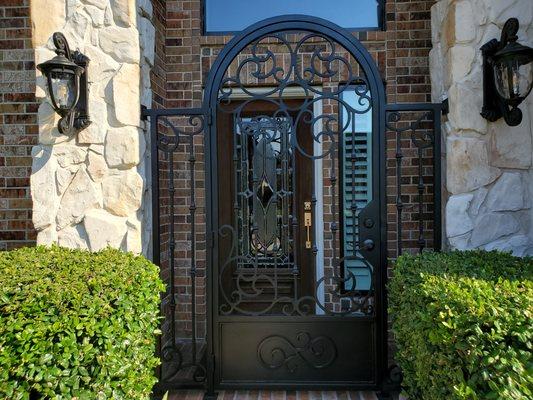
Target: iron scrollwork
column 277, row 351
column 415, row 129
column 182, row 358
column 324, row 61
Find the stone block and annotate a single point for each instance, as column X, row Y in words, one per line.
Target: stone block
column 44, row 24
column 459, row 62
column 120, row 43
column 500, row 11
column 477, row 201
column 147, row 40
column 47, row 236
column 69, row 154
column 439, row 11
column 96, row 166
column 465, row 107
column 73, row 237
column 80, row 196
column 96, row 14
column 77, row 30
column 126, row 95
column 493, row 226
column 124, row 12
column 123, row 147
column 101, row 4
column 511, row 147
column 96, row 131
column 134, row 236
column 123, row 192
column 104, row 229
column 458, row 221
column 507, row 194
column 63, row 178
column 436, row 68
column 517, row 245
column 460, row 242
column 467, row 165
column 101, row 70
column 43, row 187
column 465, row 26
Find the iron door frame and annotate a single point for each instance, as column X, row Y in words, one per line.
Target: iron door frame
column 378, row 206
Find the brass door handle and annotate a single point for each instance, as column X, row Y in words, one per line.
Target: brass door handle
column 308, row 223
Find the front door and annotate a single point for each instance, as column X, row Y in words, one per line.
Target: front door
column 296, row 266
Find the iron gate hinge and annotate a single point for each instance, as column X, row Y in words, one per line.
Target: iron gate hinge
column 209, row 119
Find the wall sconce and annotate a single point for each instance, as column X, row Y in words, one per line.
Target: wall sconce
column 507, row 75
column 66, row 79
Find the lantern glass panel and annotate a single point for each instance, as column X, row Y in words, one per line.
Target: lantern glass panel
column 63, row 87
column 513, row 78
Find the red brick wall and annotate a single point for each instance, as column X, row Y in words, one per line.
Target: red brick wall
column 18, row 129
column 159, row 70
column 401, row 51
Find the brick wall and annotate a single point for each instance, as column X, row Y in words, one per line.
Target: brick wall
column 18, row 129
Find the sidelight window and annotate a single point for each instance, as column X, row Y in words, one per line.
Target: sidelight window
column 356, row 174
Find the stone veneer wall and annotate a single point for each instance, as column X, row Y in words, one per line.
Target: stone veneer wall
column 88, row 189
column 489, row 173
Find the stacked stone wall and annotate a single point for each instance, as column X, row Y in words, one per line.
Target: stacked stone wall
column 88, row 188
column 489, row 170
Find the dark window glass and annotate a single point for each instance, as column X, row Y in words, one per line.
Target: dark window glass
column 235, row 15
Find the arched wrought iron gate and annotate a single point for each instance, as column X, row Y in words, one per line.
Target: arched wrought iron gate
column 277, row 260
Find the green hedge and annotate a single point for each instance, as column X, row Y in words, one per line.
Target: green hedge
column 463, row 323
column 75, row 324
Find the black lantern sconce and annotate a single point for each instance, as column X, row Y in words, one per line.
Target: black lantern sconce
column 507, row 75
column 66, row 79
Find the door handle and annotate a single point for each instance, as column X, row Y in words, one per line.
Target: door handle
column 308, row 223
column 368, row 244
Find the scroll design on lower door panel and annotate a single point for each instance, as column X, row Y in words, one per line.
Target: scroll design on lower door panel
column 277, row 351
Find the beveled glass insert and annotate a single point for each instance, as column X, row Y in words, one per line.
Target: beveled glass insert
column 264, row 193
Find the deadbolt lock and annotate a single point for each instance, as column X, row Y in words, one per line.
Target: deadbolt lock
column 369, row 223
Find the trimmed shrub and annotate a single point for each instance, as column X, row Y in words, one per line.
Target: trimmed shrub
column 75, row 324
column 463, row 323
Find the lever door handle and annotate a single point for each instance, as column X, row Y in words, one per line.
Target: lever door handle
column 308, row 223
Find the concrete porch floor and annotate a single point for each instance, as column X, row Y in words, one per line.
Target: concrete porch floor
column 276, row 395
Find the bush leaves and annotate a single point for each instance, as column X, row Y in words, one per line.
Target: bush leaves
column 463, row 324
column 75, row 324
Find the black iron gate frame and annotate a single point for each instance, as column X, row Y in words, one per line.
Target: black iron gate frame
column 201, row 120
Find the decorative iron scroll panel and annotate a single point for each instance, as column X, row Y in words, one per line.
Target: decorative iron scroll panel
column 276, row 146
column 296, row 129
column 269, row 213
column 179, row 242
